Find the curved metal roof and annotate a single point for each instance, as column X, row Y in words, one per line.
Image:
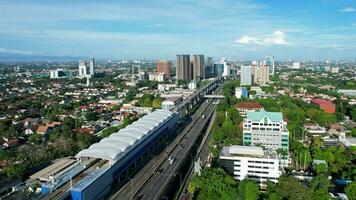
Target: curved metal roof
column 118, row 144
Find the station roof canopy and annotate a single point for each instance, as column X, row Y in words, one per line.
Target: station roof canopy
column 118, row 144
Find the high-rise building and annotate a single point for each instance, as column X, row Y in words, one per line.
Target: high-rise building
column 218, row 69
column 82, row 69
column 209, row 68
column 190, row 71
column 260, row 73
column 198, row 67
column 246, row 75
column 226, row 69
column 267, row 129
column 164, row 66
column 183, row 67
column 209, row 61
column 252, row 163
column 61, row 73
column 270, row 63
column 92, row 66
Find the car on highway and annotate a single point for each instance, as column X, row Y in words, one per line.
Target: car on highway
column 171, row 160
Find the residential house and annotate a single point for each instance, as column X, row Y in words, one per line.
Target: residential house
column 243, row 107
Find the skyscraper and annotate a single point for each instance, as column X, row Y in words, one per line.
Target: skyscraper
column 226, row 69
column 270, row 63
column 92, row 66
column 218, row 69
column 190, row 71
column 198, row 67
column 164, row 66
column 209, row 68
column 260, row 73
column 82, row 68
column 246, row 75
column 183, row 67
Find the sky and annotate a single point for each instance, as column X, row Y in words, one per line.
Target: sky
column 160, row 29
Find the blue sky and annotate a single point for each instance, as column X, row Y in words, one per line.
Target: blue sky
column 134, row 29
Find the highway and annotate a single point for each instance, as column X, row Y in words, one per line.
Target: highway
column 192, row 96
column 155, row 187
column 202, row 156
column 133, row 186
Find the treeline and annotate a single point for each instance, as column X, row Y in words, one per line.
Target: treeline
column 150, row 100
column 63, row 141
column 215, row 184
column 226, row 129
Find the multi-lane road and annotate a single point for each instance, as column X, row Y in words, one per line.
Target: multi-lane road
column 156, row 187
column 150, row 181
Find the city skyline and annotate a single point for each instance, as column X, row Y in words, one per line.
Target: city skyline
column 313, row 30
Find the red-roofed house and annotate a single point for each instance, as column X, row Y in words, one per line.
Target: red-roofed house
column 243, row 107
column 324, row 105
column 84, row 108
column 45, row 129
column 86, row 130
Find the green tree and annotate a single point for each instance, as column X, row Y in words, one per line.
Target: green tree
column 92, row 116
column 353, row 114
column 291, row 188
column 319, row 187
column 131, row 94
column 35, row 138
column 321, row 168
column 110, row 130
column 351, row 191
column 213, row 184
column 156, row 103
column 147, row 102
column 252, row 191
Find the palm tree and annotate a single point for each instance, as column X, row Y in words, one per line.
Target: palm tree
column 284, row 153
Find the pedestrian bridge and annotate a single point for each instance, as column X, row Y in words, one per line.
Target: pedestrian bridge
column 214, row 96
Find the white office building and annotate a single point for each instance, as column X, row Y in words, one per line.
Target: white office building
column 169, row 103
column 296, row 65
column 253, row 163
column 83, row 69
column 267, row 129
column 227, row 69
column 334, row 70
column 246, row 75
column 159, row 77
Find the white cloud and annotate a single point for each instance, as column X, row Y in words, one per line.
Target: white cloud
column 14, row 51
column 276, row 38
column 347, row 9
column 248, row 40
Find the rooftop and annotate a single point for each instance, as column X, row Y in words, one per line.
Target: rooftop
column 114, row 147
column 258, row 116
column 249, row 105
column 247, row 151
column 320, row 101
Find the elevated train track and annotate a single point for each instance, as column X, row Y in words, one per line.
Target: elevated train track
column 127, row 191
